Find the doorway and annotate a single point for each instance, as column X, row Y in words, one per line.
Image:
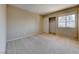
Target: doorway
column 52, row 25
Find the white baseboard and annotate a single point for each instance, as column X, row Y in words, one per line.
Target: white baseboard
column 24, row 36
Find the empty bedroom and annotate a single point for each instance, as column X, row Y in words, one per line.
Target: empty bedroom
column 40, row 29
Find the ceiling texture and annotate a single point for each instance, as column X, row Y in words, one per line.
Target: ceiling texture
column 43, row 9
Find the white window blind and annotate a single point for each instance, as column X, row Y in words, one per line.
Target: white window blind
column 67, row 21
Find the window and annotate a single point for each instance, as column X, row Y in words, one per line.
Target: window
column 67, row 21
column 61, row 21
column 70, row 21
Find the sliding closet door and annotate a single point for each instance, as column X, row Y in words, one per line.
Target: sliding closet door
column 52, row 25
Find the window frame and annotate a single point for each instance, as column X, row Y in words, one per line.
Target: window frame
column 66, row 14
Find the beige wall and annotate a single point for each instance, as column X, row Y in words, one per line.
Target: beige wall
column 2, row 28
column 22, row 23
column 41, row 24
column 61, row 31
column 78, row 22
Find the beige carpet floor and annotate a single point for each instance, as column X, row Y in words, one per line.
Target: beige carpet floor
column 43, row 44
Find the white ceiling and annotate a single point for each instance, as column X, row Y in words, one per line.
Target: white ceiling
column 43, row 8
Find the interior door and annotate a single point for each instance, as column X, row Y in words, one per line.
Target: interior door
column 52, row 25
